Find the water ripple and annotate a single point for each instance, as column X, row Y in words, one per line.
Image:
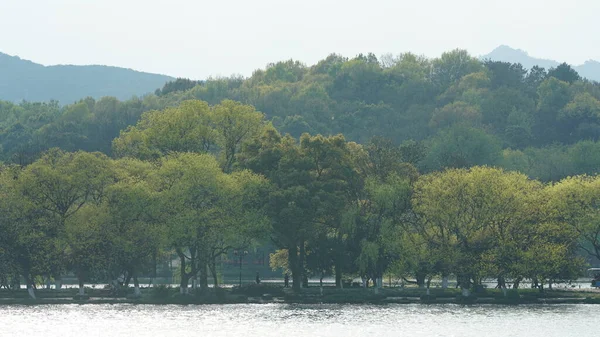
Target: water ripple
column 290, row 320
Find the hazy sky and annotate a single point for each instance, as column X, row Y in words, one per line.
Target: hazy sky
column 201, row 38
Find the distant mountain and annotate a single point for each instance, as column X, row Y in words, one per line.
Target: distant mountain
column 25, row 80
column 590, row 69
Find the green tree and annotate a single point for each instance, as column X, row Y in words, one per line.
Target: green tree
column 452, row 66
column 461, row 147
column 564, row 72
column 464, row 215
column 575, row 203
column 186, row 128
column 58, row 185
column 235, row 123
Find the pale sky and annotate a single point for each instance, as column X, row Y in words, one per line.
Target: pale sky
column 198, row 39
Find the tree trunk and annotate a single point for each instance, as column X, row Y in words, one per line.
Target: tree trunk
column 194, row 270
column 516, row 283
column 183, row 285
column 203, row 276
column 338, row 277
column 301, row 265
column 127, row 279
column 30, row 289
column 465, row 292
column 420, row 279
column 465, row 284
column 444, row 281
column 501, row 282
column 321, row 283
column 339, row 260
column 81, row 286
column 293, row 262
column 31, row 292
column 136, row 287
column 377, row 283
column 213, row 271
column 15, row 282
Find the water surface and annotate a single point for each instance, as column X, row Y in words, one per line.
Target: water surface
column 287, row 320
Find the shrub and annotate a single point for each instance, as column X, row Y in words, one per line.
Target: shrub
column 466, row 299
column 257, row 290
column 161, row 291
column 427, row 298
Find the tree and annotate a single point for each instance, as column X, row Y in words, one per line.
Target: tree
column 461, row 147
column 308, row 191
column 135, row 232
column 535, row 77
column 506, row 74
column 88, row 244
column 580, row 118
column 456, row 113
column 243, row 224
column 189, row 187
column 58, row 185
column 186, row 128
column 452, row 66
column 386, row 204
column 575, row 202
column 470, row 215
column 333, row 185
column 565, row 73
column 206, row 212
column 180, row 84
column 235, row 124
column 16, row 257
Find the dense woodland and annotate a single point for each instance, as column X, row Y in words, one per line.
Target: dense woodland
column 401, row 166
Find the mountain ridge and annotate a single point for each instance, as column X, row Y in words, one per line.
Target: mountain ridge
column 22, row 79
column 590, row 69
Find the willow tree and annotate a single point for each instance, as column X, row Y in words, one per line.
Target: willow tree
column 468, row 214
column 22, row 241
column 57, row 186
column 185, row 128
column 236, row 124
column 206, row 211
column 192, row 126
column 575, row 202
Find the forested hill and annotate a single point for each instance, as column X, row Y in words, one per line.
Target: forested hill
column 25, row 80
column 451, row 111
column 590, row 69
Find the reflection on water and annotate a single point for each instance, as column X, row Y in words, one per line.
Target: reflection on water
column 290, row 320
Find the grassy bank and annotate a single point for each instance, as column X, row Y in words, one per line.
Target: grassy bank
column 276, row 294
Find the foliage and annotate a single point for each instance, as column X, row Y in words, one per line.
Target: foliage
column 350, row 167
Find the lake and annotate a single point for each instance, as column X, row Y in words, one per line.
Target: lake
column 287, row 320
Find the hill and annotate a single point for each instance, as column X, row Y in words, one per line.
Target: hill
column 590, row 69
column 25, row 80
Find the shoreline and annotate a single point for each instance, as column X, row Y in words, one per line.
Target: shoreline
column 270, row 295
